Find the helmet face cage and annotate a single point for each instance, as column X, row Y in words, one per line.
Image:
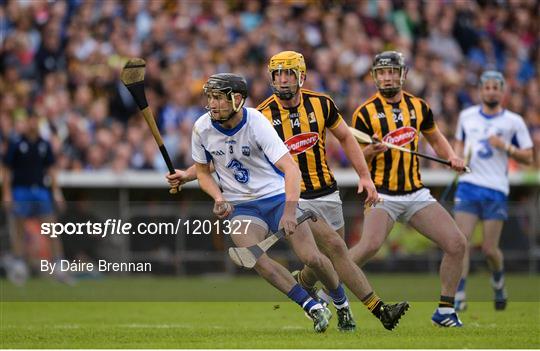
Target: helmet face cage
column 389, row 60
column 389, row 91
column 493, row 98
column 218, row 95
column 287, row 62
column 222, row 85
column 288, row 91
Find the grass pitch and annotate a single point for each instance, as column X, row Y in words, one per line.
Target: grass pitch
column 257, row 318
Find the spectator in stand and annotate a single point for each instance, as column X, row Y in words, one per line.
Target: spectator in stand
column 64, row 57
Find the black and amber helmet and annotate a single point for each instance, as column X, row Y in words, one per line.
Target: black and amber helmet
column 287, row 60
column 389, row 59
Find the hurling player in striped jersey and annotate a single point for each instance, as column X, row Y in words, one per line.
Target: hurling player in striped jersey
column 396, row 116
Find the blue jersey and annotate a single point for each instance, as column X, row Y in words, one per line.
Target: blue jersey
column 28, row 161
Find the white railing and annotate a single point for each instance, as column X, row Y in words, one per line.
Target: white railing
column 152, row 179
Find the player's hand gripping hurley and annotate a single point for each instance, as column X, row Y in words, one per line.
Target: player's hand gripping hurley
column 132, row 76
column 363, row 138
column 248, row 256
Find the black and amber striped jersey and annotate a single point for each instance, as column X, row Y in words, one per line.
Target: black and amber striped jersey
column 303, row 129
column 393, row 171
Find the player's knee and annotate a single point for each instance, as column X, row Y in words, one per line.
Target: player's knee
column 489, row 251
column 313, row 260
column 370, row 250
column 335, row 246
column 361, row 253
column 457, row 246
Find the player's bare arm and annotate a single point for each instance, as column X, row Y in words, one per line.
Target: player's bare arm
column 181, row 177
column 222, row 208
column 459, row 148
column 443, row 149
column 524, row 156
column 372, row 150
column 292, row 173
column 355, row 155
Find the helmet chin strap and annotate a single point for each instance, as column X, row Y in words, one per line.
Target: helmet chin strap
column 284, row 95
column 394, row 90
column 289, row 94
column 389, row 92
column 221, row 121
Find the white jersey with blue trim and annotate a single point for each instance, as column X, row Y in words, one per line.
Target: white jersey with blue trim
column 243, row 157
column 489, row 165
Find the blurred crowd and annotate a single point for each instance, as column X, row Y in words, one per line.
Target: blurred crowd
column 63, row 59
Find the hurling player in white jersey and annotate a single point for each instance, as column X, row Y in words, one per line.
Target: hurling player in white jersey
column 491, row 135
column 258, row 180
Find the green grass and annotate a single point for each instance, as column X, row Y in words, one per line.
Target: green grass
column 258, row 318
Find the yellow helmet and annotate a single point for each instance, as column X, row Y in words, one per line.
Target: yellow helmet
column 287, row 60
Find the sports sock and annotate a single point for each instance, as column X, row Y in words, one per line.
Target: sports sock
column 446, row 305
column 301, row 297
column 498, row 275
column 338, row 297
column 461, row 285
column 322, row 294
column 497, row 280
column 374, row 303
column 460, row 294
column 446, row 310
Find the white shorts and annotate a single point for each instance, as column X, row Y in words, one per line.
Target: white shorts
column 401, row 208
column 328, row 207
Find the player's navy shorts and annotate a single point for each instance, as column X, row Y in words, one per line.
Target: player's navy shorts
column 484, row 202
column 31, row 201
column 267, row 211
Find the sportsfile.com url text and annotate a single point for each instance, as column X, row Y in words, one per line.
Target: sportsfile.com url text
column 120, row 227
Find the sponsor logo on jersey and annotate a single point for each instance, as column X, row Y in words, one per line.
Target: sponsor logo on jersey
column 246, row 151
column 217, row 153
column 231, row 142
column 302, row 142
column 276, row 122
column 401, row 136
column 379, row 115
